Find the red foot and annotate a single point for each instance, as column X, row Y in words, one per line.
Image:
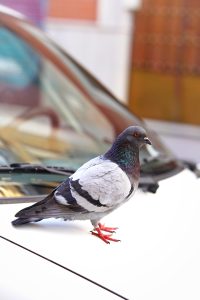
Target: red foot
column 107, row 229
column 104, row 237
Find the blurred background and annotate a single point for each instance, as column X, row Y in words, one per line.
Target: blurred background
column 146, row 52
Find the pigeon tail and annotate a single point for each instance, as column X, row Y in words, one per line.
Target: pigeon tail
column 22, row 221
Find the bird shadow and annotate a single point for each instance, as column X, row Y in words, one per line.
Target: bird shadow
column 55, row 227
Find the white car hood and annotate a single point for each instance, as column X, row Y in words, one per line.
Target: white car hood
column 158, row 257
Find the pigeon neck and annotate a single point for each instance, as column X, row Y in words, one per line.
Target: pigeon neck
column 125, row 155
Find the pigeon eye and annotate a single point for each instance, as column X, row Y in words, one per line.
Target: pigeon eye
column 136, row 134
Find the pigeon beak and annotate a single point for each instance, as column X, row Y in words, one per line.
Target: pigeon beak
column 147, row 141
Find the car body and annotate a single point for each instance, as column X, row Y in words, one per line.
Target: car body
column 54, row 117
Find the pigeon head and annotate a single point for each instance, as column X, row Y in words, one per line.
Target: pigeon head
column 125, row 149
column 135, row 135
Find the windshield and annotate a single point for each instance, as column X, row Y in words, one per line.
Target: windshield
column 52, row 117
column 44, row 116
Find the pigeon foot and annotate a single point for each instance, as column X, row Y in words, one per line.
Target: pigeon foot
column 107, row 229
column 104, row 237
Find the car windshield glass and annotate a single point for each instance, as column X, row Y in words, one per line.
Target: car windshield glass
column 45, row 117
column 53, row 117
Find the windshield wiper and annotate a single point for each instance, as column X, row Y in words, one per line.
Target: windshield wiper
column 146, row 184
column 35, row 168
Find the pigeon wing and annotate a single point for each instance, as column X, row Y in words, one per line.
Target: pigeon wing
column 100, row 186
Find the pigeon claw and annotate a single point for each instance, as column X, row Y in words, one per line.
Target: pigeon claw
column 107, row 229
column 104, row 237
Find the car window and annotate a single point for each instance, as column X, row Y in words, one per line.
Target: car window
column 45, row 116
column 54, row 113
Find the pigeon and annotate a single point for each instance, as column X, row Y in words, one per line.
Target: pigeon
column 97, row 188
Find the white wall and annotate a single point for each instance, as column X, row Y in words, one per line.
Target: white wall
column 102, row 47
